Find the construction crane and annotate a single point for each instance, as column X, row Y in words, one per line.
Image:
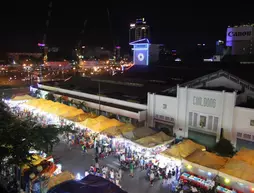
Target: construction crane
column 79, row 45
column 44, row 41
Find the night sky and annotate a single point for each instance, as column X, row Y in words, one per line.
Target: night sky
column 178, row 25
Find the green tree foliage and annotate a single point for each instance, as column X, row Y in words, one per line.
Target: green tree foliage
column 18, row 136
column 50, row 96
column 224, row 147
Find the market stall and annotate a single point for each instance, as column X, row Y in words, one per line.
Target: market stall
column 237, row 174
column 119, row 131
column 197, row 181
column 55, row 180
column 154, row 140
column 204, row 163
column 22, row 98
column 182, row 149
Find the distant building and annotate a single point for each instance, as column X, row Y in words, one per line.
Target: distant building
column 117, row 53
column 97, row 53
column 220, row 47
column 154, row 52
column 139, row 30
column 240, row 39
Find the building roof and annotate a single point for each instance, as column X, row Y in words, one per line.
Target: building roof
column 134, row 84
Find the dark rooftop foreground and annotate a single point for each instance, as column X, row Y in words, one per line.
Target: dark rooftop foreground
column 134, row 84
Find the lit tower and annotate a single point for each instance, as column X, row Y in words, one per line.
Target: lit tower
column 139, row 30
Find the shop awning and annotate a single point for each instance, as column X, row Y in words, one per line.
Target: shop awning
column 246, row 155
column 58, row 109
column 182, row 149
column 102, row 125
column 154, row 140
column 242, row 171
column 22, row 98
column 206, row 159
column 119, row 130
column 58, row 179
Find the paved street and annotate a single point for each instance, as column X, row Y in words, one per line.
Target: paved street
column 75, row 162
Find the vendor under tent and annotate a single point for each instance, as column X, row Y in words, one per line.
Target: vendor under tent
column 182, row 149
column 154, row 140
column 55, row 180
column 22, row 98
column 238, row 174
column 205, row 164
column 90, row 183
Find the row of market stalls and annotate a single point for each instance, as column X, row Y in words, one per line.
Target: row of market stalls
column 236, row 173
column 198, row 165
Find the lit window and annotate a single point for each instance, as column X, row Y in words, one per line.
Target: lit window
column 202, row 122
column 252, row 123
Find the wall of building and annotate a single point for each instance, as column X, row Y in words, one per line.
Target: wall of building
column 161, row 108
column 242, row 124
column 94, row 97
column 140, row 116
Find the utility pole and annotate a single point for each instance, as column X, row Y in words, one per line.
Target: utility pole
column 99, row 87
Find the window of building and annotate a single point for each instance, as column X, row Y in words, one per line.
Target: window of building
column 252, row 123
column 202, row 121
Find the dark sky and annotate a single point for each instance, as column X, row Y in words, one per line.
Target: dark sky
column 178, row 25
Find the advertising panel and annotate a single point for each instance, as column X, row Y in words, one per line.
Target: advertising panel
column 141, row 57
column 239, row 33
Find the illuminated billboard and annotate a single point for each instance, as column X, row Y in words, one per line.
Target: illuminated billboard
column 239, row 33
column 141, row 52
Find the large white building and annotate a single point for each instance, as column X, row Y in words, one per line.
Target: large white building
column 240, row 39
column 197, row 109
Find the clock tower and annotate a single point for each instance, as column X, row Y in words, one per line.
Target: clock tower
column 141, row 51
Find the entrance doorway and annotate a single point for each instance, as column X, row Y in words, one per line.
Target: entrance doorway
column 202, row 138
column 166, row 128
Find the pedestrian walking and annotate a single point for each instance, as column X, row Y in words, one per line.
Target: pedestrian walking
column 96, row 159
column 151, row 178
column 112, row 176
column 131, row 169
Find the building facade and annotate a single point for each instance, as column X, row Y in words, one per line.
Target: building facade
column 199, row 110
column 202, row 114
column 195, row 113
column 139, row 30
column 240, row 39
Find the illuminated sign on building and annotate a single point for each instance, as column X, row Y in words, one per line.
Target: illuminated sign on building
column 244, row 33
column 239, row 33
column 204, row 102
column 141, row 51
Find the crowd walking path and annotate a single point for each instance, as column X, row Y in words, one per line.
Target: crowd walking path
column 76, row 162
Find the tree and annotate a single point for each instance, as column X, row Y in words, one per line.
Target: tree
column 19, row 136
column 224, row 147
column 48, row 135
column 50, row 96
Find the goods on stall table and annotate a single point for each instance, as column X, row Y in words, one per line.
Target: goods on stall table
column 206, row 183
column 223, row 190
